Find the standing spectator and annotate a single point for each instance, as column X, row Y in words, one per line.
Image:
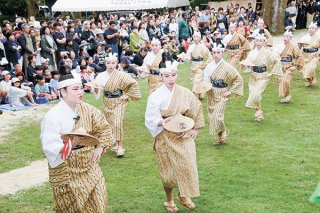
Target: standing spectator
column 124, row 35
column 292, row 10
column 112, row 36
column 27, row 43
column 12, row 50
column 135, row 41
column 59, row 38
column 75, row 37
column 31, row 67
column 311, row 9
column 48, row 47
column 88, row 36
column 183, row 28
column 302, row 15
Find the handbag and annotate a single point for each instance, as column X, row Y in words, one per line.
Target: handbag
column 4, row 61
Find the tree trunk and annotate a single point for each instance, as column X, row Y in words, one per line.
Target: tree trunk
column 273, row 15
column 31, row 8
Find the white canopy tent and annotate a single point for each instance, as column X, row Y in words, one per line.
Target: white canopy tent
column 114, row 5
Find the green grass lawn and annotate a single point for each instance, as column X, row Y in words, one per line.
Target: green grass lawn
column 272, row 166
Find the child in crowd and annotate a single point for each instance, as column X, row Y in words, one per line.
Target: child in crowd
column 54, row 83
column 47, row 74
column 42, row 91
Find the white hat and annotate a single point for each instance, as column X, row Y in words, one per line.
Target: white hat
column 169, row 67
column 217, row 47
column 197, row 33
column 260, row 21
column 44, row 60
column 155, row 41
column 260, row 36
column 313, row 24
column 15, row 79
column 289, row 33
column 122, row 18
column 112, row 57
column 73, row 79
column 5, row 72
column 99, row 31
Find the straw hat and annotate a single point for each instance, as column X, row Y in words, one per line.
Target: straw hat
column 178, row 123
column 202, row 87
column 84, row 137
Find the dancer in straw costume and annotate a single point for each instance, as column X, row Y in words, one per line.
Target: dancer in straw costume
column 236, row 44
column 261, row 59
column 225, row 80
column 311, row 45
column 200, row 57
column 76, row 178
column 175, row 152
column 151, row 64
column 115, row 86
column 291, row 59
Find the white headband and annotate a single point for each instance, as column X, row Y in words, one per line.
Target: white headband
column 313, row 24
column 112, row 57
column 260, row 36
column 75, row 80
column 289, row 33
column 197, row 33
column 217, row 47
column 155, row 41
column 169, row 67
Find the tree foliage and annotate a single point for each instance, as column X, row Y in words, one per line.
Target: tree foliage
column 12, row 8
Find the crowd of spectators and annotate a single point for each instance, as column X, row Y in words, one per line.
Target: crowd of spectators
column 33, row 52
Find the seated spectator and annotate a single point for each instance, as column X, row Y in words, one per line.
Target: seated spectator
column 25, row 100
column 288, row 23
column 54, row 83
column 38, row 71
column 85, row 77
column 96, row 72
column 13, row 94
column 83, row 53
column 22, row 79
column 68, row 64
column 42, row 91
column 100, row 39
column 126, row 64
column 100, row 57
column 91, row 63
column 125, row 47
column 173, row 48
column 138, row 58
column 46, row 74
column 3, row 95
column 73, row 58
